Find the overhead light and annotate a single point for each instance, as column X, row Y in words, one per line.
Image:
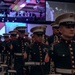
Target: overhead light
column 39, row 8
column 56, row 8
column 22, row 5
column 35, row 7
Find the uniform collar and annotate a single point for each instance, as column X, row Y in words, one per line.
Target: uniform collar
column 66, row 41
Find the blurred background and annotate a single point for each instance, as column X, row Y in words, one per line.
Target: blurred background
column 31, row 13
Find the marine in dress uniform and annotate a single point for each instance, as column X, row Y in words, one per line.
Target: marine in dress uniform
column 7, row 44
column 39, row 53
column 55, row 37
column 6, row 52
column 19, row 49
column 64, row 52
column 27, row 43
column 13, row 37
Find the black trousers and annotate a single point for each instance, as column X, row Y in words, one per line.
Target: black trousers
column 18, row 65
column 38, row 70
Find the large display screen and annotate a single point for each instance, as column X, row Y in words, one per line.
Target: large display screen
column 54, row 9
column 9, row 26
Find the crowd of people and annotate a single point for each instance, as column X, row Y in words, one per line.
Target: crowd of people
column 41, row 54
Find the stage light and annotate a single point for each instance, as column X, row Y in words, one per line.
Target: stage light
column 22, row 5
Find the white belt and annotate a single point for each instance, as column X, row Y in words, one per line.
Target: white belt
column 66, row 71
column 4, row 65
column 34, row 63
column 18, row 54
column 12, row 71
